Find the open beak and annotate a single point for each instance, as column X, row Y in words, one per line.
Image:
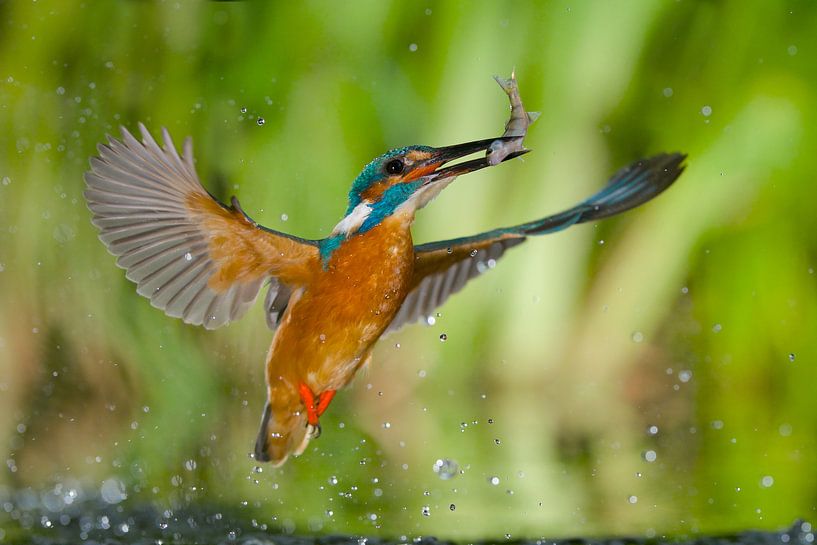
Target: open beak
column 441, row 156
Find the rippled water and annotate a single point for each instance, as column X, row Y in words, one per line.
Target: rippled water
column 69, row 514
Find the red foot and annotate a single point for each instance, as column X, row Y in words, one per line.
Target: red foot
column 324, row 401
column 313, row 411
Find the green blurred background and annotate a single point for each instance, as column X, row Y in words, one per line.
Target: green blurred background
column 652, row 373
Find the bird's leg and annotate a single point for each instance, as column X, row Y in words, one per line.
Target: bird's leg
column 323, row 401
column 314, row 410
column 309, row 401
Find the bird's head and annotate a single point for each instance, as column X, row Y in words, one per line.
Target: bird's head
column 405, row 179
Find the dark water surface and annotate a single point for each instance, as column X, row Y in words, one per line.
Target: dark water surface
column 28, row 516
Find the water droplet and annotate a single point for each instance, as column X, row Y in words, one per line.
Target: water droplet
column 260, row 121
column 717, row 328
column 706, row 111
column 112, row 491
column 494, row 480
column 650, row 456
column 243, row 110
column 652, row 430
column 668, row 92
column 6, row 180
column 497, row 441
column 452, row 507
column 785, row 430
column 767, row 481
column 633, row 499
column 685, row 375
column 792, row 50
column 386, row 425
column 412, row 47
column 190, row 465
column 443, row 337
column 188, row 256
column 426, row 511
column 333, row 480
column 284, row 217
column 792, row 356
column 60, row 90
column 637, row 336
column 445, row 468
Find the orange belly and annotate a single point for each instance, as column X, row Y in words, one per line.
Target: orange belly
column 331, row 324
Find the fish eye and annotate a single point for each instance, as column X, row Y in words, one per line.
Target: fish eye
column 395, row 166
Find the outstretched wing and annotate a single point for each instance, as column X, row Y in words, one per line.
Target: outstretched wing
column 192, row 256
column 443, row 268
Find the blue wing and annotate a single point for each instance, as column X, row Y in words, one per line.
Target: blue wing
column 443, row 268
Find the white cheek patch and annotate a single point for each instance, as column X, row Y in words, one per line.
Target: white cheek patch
column 352, row 222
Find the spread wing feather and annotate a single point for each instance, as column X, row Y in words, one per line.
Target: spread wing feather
column 192, row 256
column 445, row 267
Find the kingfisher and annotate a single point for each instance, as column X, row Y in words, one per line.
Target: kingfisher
column 329, row 300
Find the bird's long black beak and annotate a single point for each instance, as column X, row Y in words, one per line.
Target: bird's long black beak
column 447, row 154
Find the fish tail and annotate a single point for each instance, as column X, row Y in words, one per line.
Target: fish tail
column 508, row 85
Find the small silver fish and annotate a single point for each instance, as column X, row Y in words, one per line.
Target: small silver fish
column 516, row 127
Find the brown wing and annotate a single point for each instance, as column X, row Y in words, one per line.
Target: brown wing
column 192, row 256
column 443, row 268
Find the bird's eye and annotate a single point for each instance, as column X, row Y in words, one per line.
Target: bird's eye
column 395, row 166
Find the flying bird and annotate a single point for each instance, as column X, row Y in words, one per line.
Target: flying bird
column 328, row 300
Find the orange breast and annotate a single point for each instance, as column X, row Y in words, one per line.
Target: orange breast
column 333, row 322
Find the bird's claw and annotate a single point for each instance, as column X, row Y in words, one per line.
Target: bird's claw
column 313, row 431
column 315, row 407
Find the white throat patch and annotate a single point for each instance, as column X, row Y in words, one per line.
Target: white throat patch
column 353, row 220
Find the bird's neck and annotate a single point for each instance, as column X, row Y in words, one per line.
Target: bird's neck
column 353, row 221
column 365, row 216
column 360, row 220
